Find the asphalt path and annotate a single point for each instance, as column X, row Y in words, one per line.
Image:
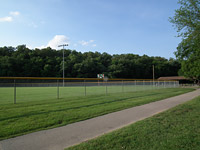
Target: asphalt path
column 66, row 136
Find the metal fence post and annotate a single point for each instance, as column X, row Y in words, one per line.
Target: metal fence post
column 153, row 84
column 106, row 88
column 135, row 85
column 57, row 89
column 14, row 91
column 123, row 86
column 143, row 85
column 85, row 87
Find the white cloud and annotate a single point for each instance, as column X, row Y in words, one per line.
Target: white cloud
column 10, row 17
column 87, row 43
column 62, row 39
column 57, row 40
column 6, row 19
column 41, row 47
column 14, row 13
column 84, row 43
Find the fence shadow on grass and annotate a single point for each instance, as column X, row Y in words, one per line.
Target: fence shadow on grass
column 80, row 107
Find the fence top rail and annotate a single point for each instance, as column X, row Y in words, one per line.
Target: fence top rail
column 59, row 78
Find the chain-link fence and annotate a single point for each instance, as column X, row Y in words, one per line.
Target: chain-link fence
column 18, row 89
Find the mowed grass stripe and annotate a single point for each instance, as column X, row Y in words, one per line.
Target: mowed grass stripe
column 77, row 104
column 58, row 108
column 28, row 117
column 27, row 94
column 177, row 128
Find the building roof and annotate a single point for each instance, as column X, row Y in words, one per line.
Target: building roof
column 173, row 78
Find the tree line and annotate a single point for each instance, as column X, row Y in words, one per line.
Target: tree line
column 21, row 61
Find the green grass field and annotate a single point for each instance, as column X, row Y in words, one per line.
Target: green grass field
column 27, row 94
column 175, row 129
column 38, row 109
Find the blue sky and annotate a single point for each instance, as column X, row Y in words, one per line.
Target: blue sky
column 112, row 26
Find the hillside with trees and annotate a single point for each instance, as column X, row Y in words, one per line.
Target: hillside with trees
column 24, row 62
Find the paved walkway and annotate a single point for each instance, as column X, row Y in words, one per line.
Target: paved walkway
column 62, row 137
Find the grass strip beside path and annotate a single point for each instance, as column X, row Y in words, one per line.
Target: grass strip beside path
column 177, row 128
column 26, row 117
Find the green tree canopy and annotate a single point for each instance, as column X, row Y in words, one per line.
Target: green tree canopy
column 24, row 62
column 187, row 23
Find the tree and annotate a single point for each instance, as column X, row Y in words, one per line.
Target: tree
column 21, row 61
column 187, row 23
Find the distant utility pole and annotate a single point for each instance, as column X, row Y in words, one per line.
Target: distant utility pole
column 63, row 45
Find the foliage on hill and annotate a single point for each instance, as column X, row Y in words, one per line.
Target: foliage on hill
column 22, row 61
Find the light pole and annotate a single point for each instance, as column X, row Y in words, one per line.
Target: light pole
column 63, row 45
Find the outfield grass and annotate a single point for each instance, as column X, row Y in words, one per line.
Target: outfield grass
column 175, row 129
column 27, row 94
column 33, row 115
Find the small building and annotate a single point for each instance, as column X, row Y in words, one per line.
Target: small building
column 181, row 79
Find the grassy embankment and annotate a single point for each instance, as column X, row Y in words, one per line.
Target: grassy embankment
column 175, row 129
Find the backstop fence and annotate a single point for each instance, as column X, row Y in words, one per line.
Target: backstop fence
column 32, row 88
